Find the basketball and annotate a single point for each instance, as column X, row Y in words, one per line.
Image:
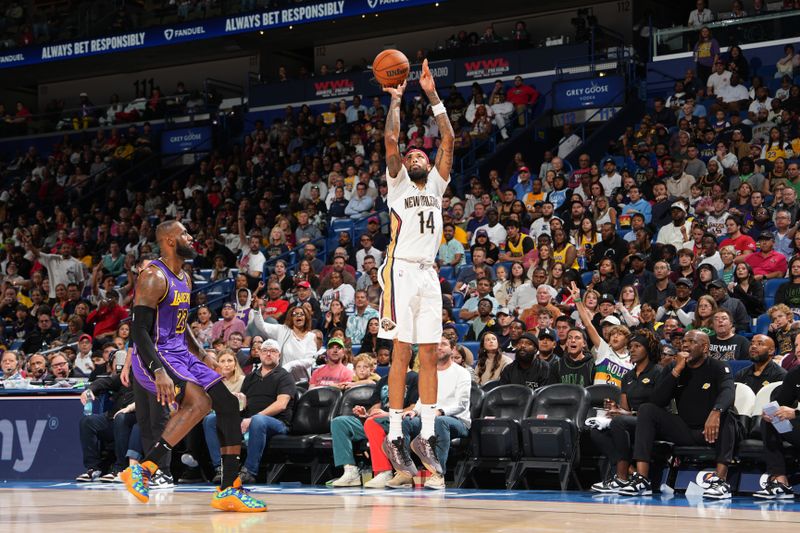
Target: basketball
column 390, row 68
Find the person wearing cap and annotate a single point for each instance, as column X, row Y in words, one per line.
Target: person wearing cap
column 523, row 184
column 269, row 394
column 495, row 230
column 106, row 318
column 334, row 373
column 611, row 179
column 229, row 323
column 719, row 291
column 527, row 369
column 611, row 358
column 766, row 262
column 83, row 365
column 679, row 231
column 681, row 305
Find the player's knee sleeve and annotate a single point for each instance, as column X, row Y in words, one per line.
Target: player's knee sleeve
column 226, row 406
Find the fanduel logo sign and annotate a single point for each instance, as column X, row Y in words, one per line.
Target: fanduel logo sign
column 375, row 3
column 28, row 442
column 170, row 33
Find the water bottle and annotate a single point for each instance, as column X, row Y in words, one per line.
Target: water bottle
column 246, row 437
column 87, row 407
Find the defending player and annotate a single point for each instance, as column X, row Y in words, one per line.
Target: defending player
column 411, row 304
column 162, row 363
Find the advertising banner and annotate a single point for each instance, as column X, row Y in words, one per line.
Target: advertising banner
column 186, row 140
column 487, row 66
column 206, row 29
column 39, row 437
column 588, row 92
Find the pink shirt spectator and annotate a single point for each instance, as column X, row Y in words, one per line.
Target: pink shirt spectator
column 330, row 376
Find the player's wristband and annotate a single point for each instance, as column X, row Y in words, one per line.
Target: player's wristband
column 438, row 109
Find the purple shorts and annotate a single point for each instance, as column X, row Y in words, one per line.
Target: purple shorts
column 182, row 368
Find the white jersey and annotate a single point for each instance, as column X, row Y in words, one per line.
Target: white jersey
column 415, row 216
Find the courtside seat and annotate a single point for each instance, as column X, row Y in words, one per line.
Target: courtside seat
column 359, row 395
column 312, row 416
column 551, row 433
column 598, row 395
column 495, row 436
column 459, row 447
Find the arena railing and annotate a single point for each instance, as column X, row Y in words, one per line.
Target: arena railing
column 778, row 25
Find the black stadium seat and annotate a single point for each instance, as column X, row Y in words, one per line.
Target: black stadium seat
column 312, row 417
column 551, row 433
column 598, row 395
column 496, row 434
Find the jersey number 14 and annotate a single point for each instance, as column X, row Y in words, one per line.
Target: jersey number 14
column 426, row 224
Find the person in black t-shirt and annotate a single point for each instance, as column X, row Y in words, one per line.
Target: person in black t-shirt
column 788, row 395
column 637, row 388
column 703, row 391
column 527, row 369
column 763, row 371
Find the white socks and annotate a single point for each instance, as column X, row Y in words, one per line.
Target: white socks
column 428, row 414
column 395, row 424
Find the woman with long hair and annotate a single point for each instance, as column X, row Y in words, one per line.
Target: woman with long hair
column 523, row 217
column 603, row 212
column 370, row 343
column 706, row 53
column 491, row 360
column 492, row 251
column 281, row 275
column 628, row 305
column 740, row 203
column 591, row 302
column 607, row 279
column 124, row 333
column 637, row 389
column 518, row 277
column 748, row 289
column 297, row 340
column 704, row 314
column 555, row 276
column 336, row 317
column 563, row 251
column 545, row 259
column 305, row 272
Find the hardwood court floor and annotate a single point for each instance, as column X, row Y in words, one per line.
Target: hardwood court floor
column 56, row 508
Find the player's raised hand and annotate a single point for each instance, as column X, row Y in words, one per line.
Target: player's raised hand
column 396, row 92
column 426, row 78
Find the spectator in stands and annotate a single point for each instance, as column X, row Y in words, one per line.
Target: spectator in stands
column 61, row 268
column 700, row 16
column 703, row 415
column 491, row 361
column 339, row 290
column 41, row 337
column 719, row 80
column 637, row 389
column 105, row 320
column 367, row 249
column 568, row 142
column 736, row 309
column 706, row 53
column 360, row 204
column 268, row 395
column 252, row 260
column 726, row 344
column 334, row 372
column 679, row 230
column 764, row 370
column 575, row 367
column 363, row 313
column 295, row 338
column 229, row 323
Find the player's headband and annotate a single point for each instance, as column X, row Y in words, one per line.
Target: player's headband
column 417, row 150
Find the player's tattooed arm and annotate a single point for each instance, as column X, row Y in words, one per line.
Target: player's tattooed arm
column 391, row 134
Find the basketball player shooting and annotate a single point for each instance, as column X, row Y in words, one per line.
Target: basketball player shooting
column 411, row 304
column 167, row 357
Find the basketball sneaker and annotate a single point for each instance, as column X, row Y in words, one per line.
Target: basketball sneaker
column 718, row 488
column 775, row 490
column 161, row 481
column 435, row 482
column 137, row 480
column 609, row 486
column 426, row 451
column 111, row 477
column 638, row 485
column 379, row 481
column 237, row 499
column 397, row 453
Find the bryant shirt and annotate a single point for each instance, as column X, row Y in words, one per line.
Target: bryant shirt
column 415, row 216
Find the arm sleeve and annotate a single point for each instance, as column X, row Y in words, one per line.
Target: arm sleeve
column 142, row 325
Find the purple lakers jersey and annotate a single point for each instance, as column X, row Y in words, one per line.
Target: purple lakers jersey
column 172, row 313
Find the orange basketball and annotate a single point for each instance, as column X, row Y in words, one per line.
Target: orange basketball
column 390, row 68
